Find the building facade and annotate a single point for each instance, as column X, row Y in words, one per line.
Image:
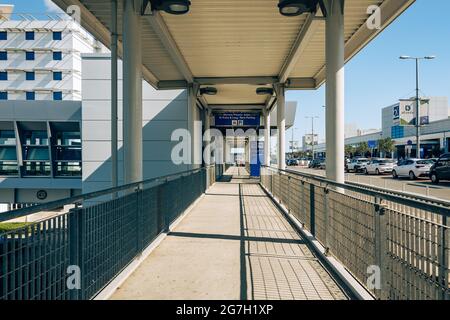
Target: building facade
column 40, row 106
column 41, row 59
column 435, row 135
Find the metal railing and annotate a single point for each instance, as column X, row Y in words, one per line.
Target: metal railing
column 74, row 255
column 395, row 246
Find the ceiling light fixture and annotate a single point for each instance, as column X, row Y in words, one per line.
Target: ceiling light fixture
column 210, row 91
column 170, row 6
column 291, row 8
column 264, row 91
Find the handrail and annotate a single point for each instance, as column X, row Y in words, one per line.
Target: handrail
column 14, row 214
column 440, row 207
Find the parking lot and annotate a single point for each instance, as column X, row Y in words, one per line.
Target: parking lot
column 422, row 187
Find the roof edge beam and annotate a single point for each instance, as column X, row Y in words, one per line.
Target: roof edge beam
column 301, row 84
column 301, row 42
column 236, row 80
column 390, row 10
column 157, row 23
column 172, row 84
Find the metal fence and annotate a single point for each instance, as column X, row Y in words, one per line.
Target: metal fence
column 99, row 237
column 368, row 231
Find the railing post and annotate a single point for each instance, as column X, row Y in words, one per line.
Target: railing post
column 162, row 216
column 380, row 247
column 303, row 209
column 312, row 208
column 139, row 219
column 326, row 191
column 444, row 259
column 76, row 249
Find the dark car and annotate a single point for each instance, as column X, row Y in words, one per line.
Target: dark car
column 317, row 164
column 441, row 169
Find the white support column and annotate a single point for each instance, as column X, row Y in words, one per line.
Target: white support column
column 335, row 45
column 114, row 94
column 267, row 137
column 281, row 126
column 207, row 136
column 195, row 127
column 132, row 93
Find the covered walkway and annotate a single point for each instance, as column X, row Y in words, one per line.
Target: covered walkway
column 233, row 244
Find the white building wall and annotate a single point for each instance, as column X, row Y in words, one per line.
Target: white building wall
column 74, row 41
column 163, row 112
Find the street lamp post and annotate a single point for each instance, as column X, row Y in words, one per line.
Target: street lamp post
column 312, row 129
column 292, row 141
column 417, row 59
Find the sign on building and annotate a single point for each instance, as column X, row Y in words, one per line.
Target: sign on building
column 405, row 113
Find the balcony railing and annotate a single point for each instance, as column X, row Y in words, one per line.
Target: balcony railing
column 100, row 236
column 406, row 239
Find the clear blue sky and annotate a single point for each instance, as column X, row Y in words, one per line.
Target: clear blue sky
column 375, row 78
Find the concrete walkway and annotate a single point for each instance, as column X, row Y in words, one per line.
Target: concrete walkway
column 234, row 244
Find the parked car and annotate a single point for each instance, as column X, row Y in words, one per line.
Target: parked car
column 322, row 164
column 304, row 162
column 317, row 163
column 292, row 162
column 412, row 168
column 441, row 169
column 380, row 166
column 357, row 164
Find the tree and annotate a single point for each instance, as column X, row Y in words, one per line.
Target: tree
column 386, row 146
column 349, row 150
column 362, row 149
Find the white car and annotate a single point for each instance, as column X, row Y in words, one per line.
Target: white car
column 413, row 168
column 380, row 166
column 357, row 164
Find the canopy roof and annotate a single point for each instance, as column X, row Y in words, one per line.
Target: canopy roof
column 238, row 45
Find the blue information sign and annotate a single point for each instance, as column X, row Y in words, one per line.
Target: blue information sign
column 256, row 155
column 372, row 144
column 237, row 119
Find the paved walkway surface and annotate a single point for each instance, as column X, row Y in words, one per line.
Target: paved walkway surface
column 234, row 244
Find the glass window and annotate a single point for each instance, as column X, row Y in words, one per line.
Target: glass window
column 9, row 168
column 3, row 35
column 39, row 168
column 36, row 153
column 36, row 138
column 68, row 169
column 7, row 137
column 57, row 75
column 57, row 55
column 31, row 95
column 29, row 35
column 3, row 75
column 3, row 55
column 8, row 153
column 30, row 76
column 29, row 55
column 57, row 95
column 67, row 138
column 57, row 35
column 3, row 95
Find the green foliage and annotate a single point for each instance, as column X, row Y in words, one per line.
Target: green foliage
column 10, row 226
column 362, row 148
column 386, row 145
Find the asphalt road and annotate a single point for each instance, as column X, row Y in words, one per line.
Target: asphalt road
column 422, row 187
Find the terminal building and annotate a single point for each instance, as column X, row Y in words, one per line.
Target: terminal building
column 40, row 106
column 435, row 134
